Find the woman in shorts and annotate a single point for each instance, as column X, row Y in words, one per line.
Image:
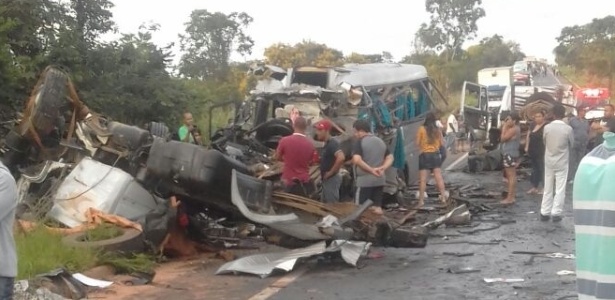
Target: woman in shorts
column 429, row 140
column 509, row 145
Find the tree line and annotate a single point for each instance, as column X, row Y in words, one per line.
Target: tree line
column 131, row 79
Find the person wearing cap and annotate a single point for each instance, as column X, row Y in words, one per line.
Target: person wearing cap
column 331, row 160
column 580, row 131
column 297, row 152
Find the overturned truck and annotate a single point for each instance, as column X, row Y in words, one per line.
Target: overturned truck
column 69, row 159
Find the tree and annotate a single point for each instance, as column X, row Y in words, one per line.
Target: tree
column 590, row 48
column 306, row 53
column 28, row 29
column 357, row 58
column 130, row 82
column 209, row 41
column 452, row 23
column 91, row 19
column 494, row 51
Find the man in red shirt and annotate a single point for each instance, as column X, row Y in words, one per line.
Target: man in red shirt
column 296, row 151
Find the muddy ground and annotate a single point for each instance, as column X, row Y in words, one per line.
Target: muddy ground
column 406, row 273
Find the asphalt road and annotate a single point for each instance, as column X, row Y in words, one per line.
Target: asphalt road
column 548, row 80
column 424, row 273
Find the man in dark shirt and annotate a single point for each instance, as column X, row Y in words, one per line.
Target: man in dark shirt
column 331, row 161
column 606, row 124
column 296, row 151
column 371, row 157
column 580, row 130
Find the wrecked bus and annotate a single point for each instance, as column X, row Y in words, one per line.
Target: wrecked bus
column 394, row 97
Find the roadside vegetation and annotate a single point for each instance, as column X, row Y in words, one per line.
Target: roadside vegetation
column 40, row 251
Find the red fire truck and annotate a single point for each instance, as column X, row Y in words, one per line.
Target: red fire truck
column 592, row 97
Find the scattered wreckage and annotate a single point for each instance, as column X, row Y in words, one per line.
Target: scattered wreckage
column 70, row 160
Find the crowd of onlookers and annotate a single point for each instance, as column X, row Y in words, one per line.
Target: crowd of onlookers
column 555, row 144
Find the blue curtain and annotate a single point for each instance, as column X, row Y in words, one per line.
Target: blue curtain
column 423, row 103
column 399, row 155
column 401, row 104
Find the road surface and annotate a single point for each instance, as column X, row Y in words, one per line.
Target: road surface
column 548, row 80
column 404, row 273
column 423, row 273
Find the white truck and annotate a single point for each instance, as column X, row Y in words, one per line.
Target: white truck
column 494, row 94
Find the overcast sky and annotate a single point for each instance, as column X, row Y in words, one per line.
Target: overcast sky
column 354, row 26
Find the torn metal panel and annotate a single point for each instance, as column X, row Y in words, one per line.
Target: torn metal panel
column 458, row 216
column 264, row 264
column 288, row 224
column 351, row 251
column 329, row 228
column 92, row 184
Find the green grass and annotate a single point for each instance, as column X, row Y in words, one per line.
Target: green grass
column 41, row 251
column 102, row 232
column 142, row 263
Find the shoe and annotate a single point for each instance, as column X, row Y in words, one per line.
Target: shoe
column 556, row 219
column 544, row 218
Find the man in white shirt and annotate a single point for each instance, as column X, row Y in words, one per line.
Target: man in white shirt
column 452, row 124
column 452, row 127
column 559, row 139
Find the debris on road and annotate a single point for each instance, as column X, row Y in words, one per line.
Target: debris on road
column 506, row 280
column 565, row 272
column 91, row 281
column 462, row 270
column 546, row 254
column 458, row 254
column 458, row 216
column 264, row 264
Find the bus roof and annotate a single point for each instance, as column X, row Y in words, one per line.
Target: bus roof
column 379, row 74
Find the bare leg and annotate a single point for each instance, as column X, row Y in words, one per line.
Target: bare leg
column 511, row 175
column 440, row 183
column 422, row 186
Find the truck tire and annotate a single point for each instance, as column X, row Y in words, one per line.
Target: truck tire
column 50, row 100
column 544, row 96
column 131, row 240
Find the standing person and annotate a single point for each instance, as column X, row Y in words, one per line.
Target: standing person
column 510, row 143
column 580, row 130
column 296, row 151
column 8, row 253
column 535, row 149
column 442, row 129
column 429, row 140
column 592, row 202
column 452, row 128
column 606, row 124
column 559, row 139
column 188, row 133
column 331, row 161
column 371, row 157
